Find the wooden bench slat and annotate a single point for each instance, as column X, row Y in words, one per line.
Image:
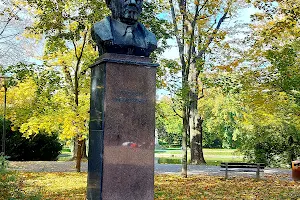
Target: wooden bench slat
column 241, row 170
column 242, row 166
column 231, row 163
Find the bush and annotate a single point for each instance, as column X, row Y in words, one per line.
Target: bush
column 36, row 147
column 273, row 149
column 41, row 146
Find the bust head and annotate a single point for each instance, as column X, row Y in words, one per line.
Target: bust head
column 126, row 11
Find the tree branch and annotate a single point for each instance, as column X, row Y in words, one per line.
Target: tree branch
column 7, row 36
column 215, row 31
column 76, row 81
column 8, row 21
column 176, row 113
column 68, row 77
column 75, row 48
column 176, row 30
column 193, row 30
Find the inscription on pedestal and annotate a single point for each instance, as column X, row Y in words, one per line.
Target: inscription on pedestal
column 130, row 96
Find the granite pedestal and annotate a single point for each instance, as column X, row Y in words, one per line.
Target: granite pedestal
column 122, row 128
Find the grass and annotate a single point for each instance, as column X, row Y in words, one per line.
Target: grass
column 65, row 156
column 170, row 187
column 60, row 185
column 66, row 150
column 173, row 156
column 211, row 156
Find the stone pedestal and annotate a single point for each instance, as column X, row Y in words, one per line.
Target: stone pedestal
column 122, row 128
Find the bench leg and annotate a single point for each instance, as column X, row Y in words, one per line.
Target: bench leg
column 257, row 172
column 226, row 171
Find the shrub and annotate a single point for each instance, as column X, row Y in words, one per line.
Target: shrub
column 275, row 149
column 37, row 147
column 41, row 146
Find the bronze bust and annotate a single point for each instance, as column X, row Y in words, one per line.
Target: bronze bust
column 122, row 33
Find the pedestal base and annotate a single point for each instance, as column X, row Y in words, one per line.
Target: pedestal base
column 122, row 126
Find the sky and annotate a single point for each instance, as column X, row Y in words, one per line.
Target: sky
column 171, row 53
column 243, row 16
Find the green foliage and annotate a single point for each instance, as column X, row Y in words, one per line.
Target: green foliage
column 160, row 26
column 285, row 64
column 64, row 20
column 270, row 127
column 30, row 93
column 168, row 124
column 221, row 109
column 277, row 150
column 35, row 147
column 3, row 163
column 40, row 147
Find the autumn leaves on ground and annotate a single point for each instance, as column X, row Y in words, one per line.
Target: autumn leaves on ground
column 73, row 186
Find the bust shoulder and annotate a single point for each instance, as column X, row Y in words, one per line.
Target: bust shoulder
column 149, row 36
column 101, row 31
column 106, row 33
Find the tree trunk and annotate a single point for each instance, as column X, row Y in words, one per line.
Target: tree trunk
column 195, row 120
column 184, row 144
column 291, row 150
column 75, row 147
column 74, row 150
column 83, row 150
column 79, row 155
column 196, row 135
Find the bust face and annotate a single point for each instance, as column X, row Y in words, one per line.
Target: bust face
column 126, row 11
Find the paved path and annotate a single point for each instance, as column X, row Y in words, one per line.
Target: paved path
column 69, row 166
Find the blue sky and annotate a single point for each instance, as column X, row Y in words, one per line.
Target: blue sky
column 243, row 16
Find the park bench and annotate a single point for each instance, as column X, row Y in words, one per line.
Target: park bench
column 242, row 167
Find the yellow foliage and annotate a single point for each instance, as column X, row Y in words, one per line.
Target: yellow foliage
column 74, row 25
column 167, row 187
column 34, row 113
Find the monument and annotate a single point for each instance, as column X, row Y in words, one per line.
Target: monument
column 122, row 111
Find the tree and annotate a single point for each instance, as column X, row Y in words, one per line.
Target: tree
column 168, row 124
column 270, row 125
column 248, row 108
column 221, row 111
column 66, row 27
column 276, row 34
column 197, row 26
column 30, row 94
column 14, row 47
column 275, row 83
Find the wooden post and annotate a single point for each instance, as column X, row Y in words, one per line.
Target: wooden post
column 257, row 171
column 226, row 171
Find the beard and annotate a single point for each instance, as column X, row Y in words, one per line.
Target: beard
column 130, row 15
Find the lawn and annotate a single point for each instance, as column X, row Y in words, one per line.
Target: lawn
column 65, row 155
column 212, row 156
column 172, row 187
column 173, row 156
